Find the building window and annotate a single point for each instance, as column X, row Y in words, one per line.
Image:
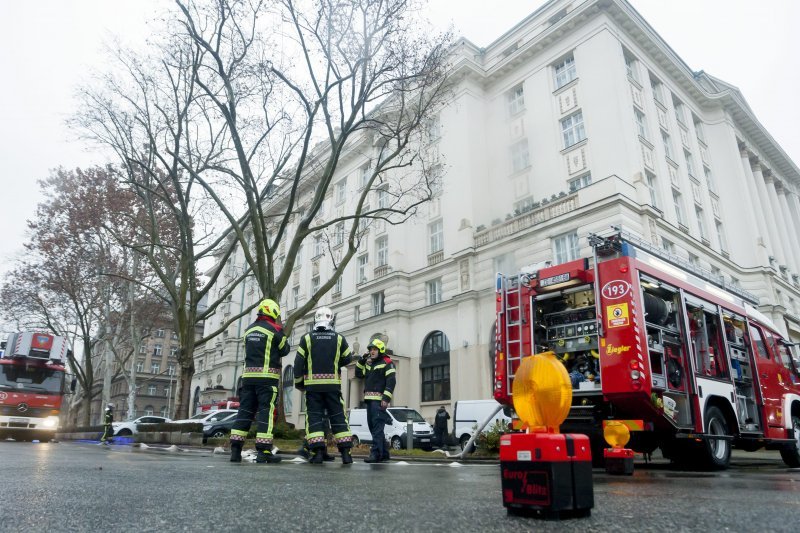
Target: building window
column 677, row 201
column 698, row 129
column 572, row 129
column 694, row 260
column 143, row 348
column 377, row 303
column 667, row 144
column 174, row 336
column 337, row 287
column 701, row 225
column 523, row 206
column 667, row 245
column 383, row 198
column 314, row 284
column 382, row 251
column 641, row 123
column 520, row 156
column 155, row 368
column 157, row 350
column 516, row 100
column 357, row 313
column 565, row 71
column 159, row 332
column 723, row 243
column 679, row 111
column 658, row 90
column 580, row 182
column 565, row 248
column 361, row 266
column 631, row 66
column 709, row 179
column 171, row 370
column 364, row 173
column 338, row 233
column 433, row 128
column 435, row 368
column 288, row 388
column 140, row 366
column 151, row 390
column 341, row 191
column 173, row 351
column 317, row 246
column 167, row 390
column 148, row 410
column 295, row 296
column 363, row 221
column 164, row 411
column 433, row 291
column 435, row 237
column 689, row 162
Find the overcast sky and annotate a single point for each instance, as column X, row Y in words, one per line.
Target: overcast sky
column 47, row 46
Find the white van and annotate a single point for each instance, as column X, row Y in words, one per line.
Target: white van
column 396, row 431
column 469, row 414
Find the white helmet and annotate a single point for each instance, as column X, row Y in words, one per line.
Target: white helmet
column 323, row 318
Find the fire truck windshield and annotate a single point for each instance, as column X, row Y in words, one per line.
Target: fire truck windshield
column 23, row 378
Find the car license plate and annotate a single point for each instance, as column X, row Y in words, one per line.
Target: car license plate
column 19, row 420
column 425, row 440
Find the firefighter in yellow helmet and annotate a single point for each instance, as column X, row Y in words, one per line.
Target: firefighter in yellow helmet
column 264, row 345
column 378, row 371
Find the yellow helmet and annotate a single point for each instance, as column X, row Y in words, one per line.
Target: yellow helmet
column 270, row 308
column 377, row 343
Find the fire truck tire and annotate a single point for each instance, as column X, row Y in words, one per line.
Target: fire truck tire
column 791, row 454
column 717, row 451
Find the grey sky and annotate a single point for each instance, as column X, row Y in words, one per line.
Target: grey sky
column 48, row 45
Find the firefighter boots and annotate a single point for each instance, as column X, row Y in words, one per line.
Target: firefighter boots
column 346, row 458
column 318, row 457
column 266, row 456
column 236, row 452
column 326, row 456
column 372, row 459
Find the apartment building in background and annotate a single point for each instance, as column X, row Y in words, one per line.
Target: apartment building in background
column 580, row 118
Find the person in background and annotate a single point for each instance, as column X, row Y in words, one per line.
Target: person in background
column 440, row 426
column 108, row 430
column 264, row 344
column 378, row 371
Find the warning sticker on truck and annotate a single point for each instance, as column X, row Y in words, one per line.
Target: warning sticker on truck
column 617, row 315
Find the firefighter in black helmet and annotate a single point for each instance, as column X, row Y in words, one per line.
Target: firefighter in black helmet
column 264, row 345
column 321, row 355
column 378, row 371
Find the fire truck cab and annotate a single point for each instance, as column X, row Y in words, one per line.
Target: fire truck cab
column 683, row 358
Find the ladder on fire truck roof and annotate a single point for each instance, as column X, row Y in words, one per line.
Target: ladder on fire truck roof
column 511, row 295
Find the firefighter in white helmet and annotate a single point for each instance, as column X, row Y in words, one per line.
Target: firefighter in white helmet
column 321, row 355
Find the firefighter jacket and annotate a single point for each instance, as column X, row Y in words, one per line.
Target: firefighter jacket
column 264, row 346
column 379, row 377
column 108, row 418
column 320, row 357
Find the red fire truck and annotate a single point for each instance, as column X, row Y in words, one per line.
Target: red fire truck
column 659, row 344
column 32, row 385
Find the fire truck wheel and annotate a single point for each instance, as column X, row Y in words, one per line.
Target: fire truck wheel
column 717, row 451
column 791, row 454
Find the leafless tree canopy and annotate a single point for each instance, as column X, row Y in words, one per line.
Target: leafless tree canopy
column 235, row 124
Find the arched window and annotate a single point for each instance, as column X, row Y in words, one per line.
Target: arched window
column 288, row 387
column 148, row 410
column 435, row 367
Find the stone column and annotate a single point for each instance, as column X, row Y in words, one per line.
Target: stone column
column 794, row 209
column 789, row 224
column 777, row 208
column 753, row 195
column 768, row 210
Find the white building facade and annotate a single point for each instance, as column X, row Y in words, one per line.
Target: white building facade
column 578, row 119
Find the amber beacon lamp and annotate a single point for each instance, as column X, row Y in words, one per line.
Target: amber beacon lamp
column 545, row 474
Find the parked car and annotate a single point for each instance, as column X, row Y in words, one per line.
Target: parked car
column 469, row 414
column 132, row 426
column 396, row 430
column 218, row 429
column 207, row 417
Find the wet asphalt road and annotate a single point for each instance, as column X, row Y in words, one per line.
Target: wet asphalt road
column 84, row 487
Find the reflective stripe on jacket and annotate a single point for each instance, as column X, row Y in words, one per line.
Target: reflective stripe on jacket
column 320, row 357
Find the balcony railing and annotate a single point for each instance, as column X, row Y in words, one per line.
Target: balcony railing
column 382, row 270
column 435, row 257
column 524, row 221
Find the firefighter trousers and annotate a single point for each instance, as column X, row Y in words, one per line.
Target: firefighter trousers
column 108, row 432
column 317, row 403
column 257, row 399
column 376, row 420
